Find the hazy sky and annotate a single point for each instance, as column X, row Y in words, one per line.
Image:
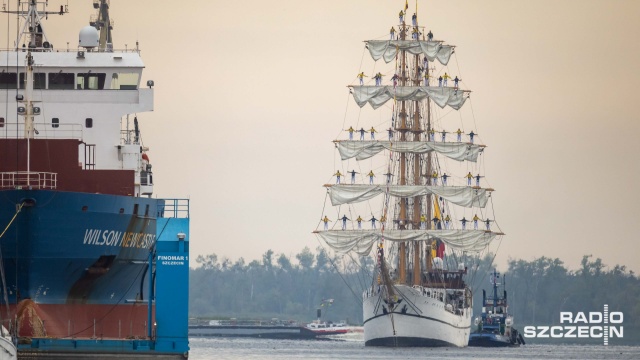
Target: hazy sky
column 250, row 94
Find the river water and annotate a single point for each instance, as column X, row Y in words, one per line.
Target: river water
column 353, row 348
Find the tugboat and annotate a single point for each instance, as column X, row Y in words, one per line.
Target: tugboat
column 495, row 327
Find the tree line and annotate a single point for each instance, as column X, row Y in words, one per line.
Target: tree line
column 293, row 289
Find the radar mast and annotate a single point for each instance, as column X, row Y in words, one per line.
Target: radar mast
column 104, row 24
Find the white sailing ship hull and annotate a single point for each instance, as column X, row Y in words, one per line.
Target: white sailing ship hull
column 421, row 319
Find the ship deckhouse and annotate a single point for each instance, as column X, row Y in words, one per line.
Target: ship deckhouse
column 83, row 104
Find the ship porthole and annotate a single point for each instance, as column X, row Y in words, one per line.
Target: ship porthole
column 85, row 208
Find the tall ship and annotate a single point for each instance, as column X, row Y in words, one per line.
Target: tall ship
column 409, row 190
column 80, row 232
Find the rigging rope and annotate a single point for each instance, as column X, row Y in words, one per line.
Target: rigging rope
column 2, row 274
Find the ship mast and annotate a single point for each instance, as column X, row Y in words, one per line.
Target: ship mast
column 103, row 22
column 402, row 253
column 416, row 177
column 32, row 26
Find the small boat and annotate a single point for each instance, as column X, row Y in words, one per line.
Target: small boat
column 494, row 328
column 274, row 329
column 322, row 328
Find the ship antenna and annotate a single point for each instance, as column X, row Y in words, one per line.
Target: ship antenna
column 32, row 27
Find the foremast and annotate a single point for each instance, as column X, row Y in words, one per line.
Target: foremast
column 32, row 33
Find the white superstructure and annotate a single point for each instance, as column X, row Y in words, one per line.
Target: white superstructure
column 87, row 94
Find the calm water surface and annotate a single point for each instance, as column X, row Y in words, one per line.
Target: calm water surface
column 249, row 348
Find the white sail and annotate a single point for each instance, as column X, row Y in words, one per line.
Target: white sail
column 460, row 195
column 365, row 149
column 376, row 96
column 388, row 49
column 361, row 241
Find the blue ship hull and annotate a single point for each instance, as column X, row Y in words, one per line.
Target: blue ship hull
column 73, row 259
column 491, row 340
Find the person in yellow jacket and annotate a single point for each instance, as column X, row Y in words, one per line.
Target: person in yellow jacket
column 373, row 132
column 459, row 132
column 401, row 16
column 371, row 175
column 432, row 135
column 350, row 130
column 326, row 222
column 392, row 33
column 423, row 222
column 359, row 220
column 361, row 76
column 337, row 175
column 434, row 178
column 469, row 177
column 475, row 222
column 426, row 77
column 447, row 221
column 415, row 33
column 445, row 77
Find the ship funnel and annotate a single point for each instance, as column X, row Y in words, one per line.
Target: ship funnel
column 89, row 37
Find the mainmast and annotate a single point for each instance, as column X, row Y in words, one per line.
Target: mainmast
column 103, row 22
column 402, row 252
column 417, row 280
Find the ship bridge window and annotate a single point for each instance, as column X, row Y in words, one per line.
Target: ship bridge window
column 38, row 80
column 61, row 81
column 1, row 122
column 55, row 122
column 8, row 80
column 88, row 122
column 90, row 81
column 125, row 81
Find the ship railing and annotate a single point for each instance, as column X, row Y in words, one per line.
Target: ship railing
column 174, row 208
column 128, row 137
column 73, row 50
column 28, row 180
column 43, row 131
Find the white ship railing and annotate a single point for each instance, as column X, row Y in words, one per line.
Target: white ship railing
column 44, row 131
column 28, row 180
column 174, row 208
column 73, row 50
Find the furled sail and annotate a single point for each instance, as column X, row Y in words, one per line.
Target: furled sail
column 376, row 96
column 460, row 195
column 365, row 149
column 361, row 241
column 388, row 49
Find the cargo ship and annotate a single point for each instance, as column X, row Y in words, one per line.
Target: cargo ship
column 83, row 241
